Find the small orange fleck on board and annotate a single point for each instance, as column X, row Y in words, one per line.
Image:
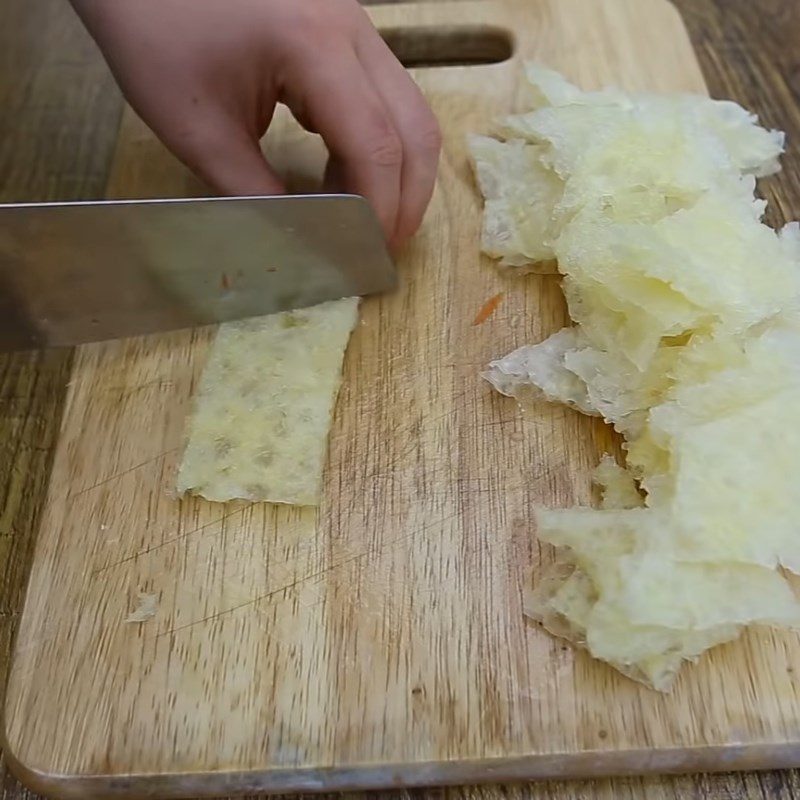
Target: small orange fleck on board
column 225, row 282
column 488, row 308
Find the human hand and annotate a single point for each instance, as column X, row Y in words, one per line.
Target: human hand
column 206, row 76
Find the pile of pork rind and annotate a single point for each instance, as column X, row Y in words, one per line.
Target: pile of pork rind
column 686, row 338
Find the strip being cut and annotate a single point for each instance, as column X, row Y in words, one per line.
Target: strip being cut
column 261, row 419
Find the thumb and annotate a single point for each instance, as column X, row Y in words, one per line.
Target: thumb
column 231, row 162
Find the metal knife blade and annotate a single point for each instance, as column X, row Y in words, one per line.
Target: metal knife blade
column 88, row 271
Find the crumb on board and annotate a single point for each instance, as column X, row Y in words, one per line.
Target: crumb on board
column 145, row 609
column 488, row 308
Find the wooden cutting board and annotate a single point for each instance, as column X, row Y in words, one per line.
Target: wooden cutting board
column 380, row 641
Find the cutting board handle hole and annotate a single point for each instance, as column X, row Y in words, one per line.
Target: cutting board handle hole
column 451, row 46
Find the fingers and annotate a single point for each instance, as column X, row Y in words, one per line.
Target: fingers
column 414, row 123
column 383, row 138
column 333, row 93
column 234, row 60
column 227, row 157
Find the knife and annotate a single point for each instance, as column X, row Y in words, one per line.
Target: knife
column 88, row 271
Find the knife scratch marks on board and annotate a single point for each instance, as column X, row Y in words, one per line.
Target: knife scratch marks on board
column 121, row 474
column 172, row 540
column 127, row 390
column 312, row 576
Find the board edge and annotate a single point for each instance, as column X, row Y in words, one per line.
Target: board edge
column 540, row 767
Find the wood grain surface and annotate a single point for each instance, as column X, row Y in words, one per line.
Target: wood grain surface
column 733, row 54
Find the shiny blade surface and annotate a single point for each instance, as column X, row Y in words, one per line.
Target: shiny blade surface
column 81, row 272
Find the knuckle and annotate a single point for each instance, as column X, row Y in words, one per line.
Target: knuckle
column 429, row 137
column 317, row 24
column 308, row 36
column 385, row 150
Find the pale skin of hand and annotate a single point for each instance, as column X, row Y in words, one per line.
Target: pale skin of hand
column 206, row 76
